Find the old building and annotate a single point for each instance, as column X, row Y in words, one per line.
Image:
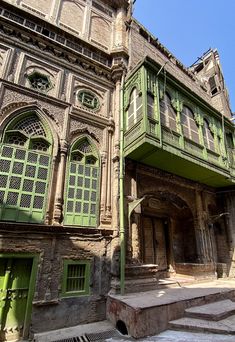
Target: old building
column 64, row 232
column 60, row 80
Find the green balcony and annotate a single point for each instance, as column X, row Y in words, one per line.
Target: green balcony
column 169, row 128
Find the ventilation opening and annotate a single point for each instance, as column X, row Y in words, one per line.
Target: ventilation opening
column 121, row 327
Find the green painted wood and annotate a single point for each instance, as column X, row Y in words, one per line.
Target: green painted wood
column 14, row 295
column 76, row 278
column 82, row 188
column 24, row 176
column 25, row 158
column 208, row 153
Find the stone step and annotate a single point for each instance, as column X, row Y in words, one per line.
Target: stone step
column 226, row 326
column 212, row 312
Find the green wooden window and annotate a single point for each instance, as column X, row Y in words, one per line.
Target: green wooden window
column 190, row 129
column 76, row 278
column 88, row 99
column 25, row 157
column 167, row 112
column 81, row 197
column 135, row 108
column 208, row 137
column 150, row 106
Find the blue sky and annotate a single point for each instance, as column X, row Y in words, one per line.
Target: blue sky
column 189, row 28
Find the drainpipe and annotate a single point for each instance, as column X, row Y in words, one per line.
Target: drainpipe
column 121, row 191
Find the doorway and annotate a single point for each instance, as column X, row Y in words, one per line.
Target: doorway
column 156, row 241
column 16, row 293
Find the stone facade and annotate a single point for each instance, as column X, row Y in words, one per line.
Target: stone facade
column 62, row 66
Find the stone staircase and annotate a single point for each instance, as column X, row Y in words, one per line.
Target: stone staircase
column 217, row 317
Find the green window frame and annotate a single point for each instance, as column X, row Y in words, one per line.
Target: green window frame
column 135, row 109
column 76, row 278
column 88, row 99
column 189, row 126
column 208, row 136
column 168, row 113
column 25, row 159
column 82, row 189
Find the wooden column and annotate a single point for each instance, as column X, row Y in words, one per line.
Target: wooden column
column 201, row 230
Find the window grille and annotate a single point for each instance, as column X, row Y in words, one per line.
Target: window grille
column 76, row 277
column 31, row 126
column 88, row 99
column 24, row 173
column 189, row 126
column 167, row 113
column 81, row 195
column 39, row 82
column 16, row 139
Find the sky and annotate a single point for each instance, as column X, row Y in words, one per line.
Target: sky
column 188, row 28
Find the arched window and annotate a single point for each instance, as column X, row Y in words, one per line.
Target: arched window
column 134, row 112
column 190, row 129
column 25, row 156
column 81, row 195
column 167, row 112
column 208, row 137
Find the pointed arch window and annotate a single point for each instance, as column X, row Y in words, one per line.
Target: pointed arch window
column 25, row 157
column 167, row 113
column 81, row 195
column 208, row 137
column 189, row 126
column 134, row 112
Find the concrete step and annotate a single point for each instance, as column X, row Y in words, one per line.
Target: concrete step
column 212, row 312
column 226, row 326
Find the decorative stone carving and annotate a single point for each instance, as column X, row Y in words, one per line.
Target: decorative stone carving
column 77, row 127
column 12, row 100
column 55, row 50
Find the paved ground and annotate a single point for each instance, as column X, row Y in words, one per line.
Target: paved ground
column 178, row 336
column 171, row 295
column 166, row 336
column 148, row 299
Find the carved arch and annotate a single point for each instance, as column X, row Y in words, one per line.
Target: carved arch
column 13, row 112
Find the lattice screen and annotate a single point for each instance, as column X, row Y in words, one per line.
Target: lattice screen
column 24, row 171
column 23, row 184
column 82, row 189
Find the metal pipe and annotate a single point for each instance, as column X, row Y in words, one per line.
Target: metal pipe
column 121, row 189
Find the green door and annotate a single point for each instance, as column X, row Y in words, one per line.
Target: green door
column 14, row 288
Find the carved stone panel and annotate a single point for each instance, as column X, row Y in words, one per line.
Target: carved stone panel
column 11, row 99
column 77, row 127
column 30, row 69
column 89, row 86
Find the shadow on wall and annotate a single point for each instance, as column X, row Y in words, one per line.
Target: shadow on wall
column 73, row 272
